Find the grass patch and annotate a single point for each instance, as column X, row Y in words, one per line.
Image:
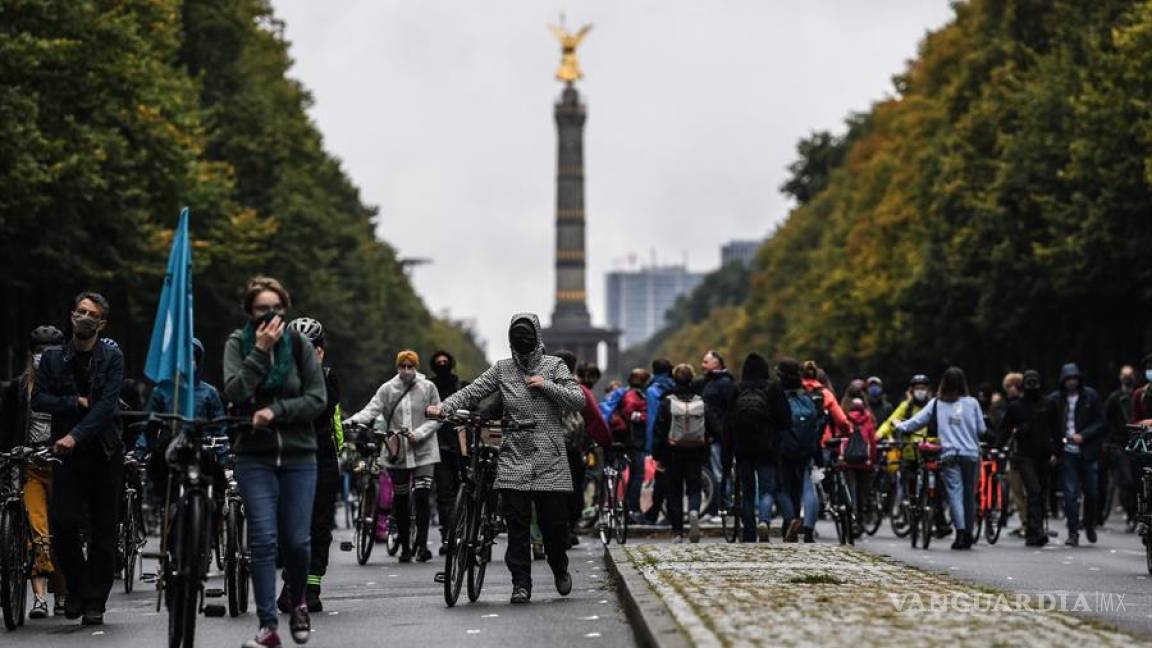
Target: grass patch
column 815, row 579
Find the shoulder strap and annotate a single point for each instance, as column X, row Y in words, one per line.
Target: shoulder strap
column 388, row 421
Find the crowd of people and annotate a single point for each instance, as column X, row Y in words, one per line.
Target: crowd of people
column 769, row 429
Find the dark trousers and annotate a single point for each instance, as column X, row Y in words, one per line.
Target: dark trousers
column 412, row 485
column 1117, row 466
column 576, row 501
column 757, row 475
column 635, row 478
column 860, row 485
column 552, row 517
column 683, row 469
column 790, row 490
column 659, row 494
column 323, row 517
column 1080, row 474
column 86, row 497
column 1031, row 471
column 447, row 476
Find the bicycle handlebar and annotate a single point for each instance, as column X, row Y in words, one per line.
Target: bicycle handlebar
column 31, row 455
column 466, row 417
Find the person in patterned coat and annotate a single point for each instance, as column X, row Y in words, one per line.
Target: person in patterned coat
column 533, row 466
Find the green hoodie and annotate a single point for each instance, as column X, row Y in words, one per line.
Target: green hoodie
column 296, row 402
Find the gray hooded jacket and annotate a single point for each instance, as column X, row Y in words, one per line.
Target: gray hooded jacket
column 533, row 459
column 409, row 414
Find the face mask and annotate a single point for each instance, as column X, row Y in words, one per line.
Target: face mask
column 36, row 359
column 875, row 391
column 522, row 337
column 921, row 395
column 1031, row 388
column 85, row 327
column 407, row 375
column 442, row 370
column 1127, row 381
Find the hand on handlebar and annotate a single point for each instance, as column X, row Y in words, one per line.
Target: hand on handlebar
column 64, row 445
column 432, row 411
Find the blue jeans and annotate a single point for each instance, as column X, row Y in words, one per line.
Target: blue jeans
column 1079, row 474
column 717, row 465
column 810, row 502
column 278, row 502
column 960, row 475
column 635, row 479
column 757, row 485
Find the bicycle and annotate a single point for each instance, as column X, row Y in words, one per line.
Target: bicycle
column 186, row 539
column 16, row 555
column 131, row 535
column 613, row 510
column 237, row 559
column 366, row 480
column 991, row 495
column 885, row 486
column 838, row 505
column 1139, row 448
column 730, row 517
column 927, row 500
column 475, row 518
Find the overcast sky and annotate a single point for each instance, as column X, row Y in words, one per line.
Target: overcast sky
column 442, row 114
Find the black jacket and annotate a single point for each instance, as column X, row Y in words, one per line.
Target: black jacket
column 97, row 429
column 1117, row 414
column 660, row 431
column 718, row 389
column 1033, row 425
column 1089, row 420
column 763, row 442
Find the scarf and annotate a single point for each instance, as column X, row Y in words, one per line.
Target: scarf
column 281, row 358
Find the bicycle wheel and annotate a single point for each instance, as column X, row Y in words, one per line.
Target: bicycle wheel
column 978, row 523
column 128, row 541
column 927, row 520
column 606, row 525
column 876, row 502
column 12, row 577
column 393, row 538
column 189, row 544
column 481, row 553
column 456, row 559
column 849, row 513
column 366, row 518
column 912, row 514
column 620, row 518
column 235, row 563
column 996, row 515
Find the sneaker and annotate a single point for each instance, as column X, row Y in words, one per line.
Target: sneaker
column 679, row 539
column 73, row 609
column 312, row 599
column 92, row 618
column 265, row 638
column 39, row 608
column 284, row 601
column 763, row 532
column 300, row 624
column 58, row 606
column 793, row 530
column 1073, row 540
column 693, row 526
column 958, row 543
column 809, row 535
column 521, row 595
column 564, row 584
column 423, row 555
column 405, row 555
column 1090, row 533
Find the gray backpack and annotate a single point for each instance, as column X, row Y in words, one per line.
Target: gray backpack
column 688, row 429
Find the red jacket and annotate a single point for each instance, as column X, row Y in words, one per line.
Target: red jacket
column 832, row 407
column 594, row 423
column 626, row 430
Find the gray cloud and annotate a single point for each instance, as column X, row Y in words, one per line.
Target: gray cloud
column 441, row 112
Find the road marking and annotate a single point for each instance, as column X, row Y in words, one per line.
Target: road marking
column 489, row 616
column 1010, row 578
column 592, row 635
column 473, row 632
column 589, row 618
column 333, row 613
column 1093, row 569
column 603, row 602
column 370, row 583
column 97, row 633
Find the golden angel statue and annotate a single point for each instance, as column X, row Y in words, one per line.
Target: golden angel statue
column 569, row 65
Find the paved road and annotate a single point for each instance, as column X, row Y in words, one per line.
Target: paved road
column 1113, row 567
column 383, row 603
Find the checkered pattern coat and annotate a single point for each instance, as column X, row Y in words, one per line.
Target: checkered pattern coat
column 533, row 459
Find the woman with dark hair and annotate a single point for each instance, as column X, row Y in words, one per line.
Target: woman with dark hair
column 272, row 374
column 956, row 418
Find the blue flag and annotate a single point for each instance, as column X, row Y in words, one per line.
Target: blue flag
column 170, row 356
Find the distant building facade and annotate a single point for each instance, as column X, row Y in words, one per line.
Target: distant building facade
column 742, row 251
column 639, row 299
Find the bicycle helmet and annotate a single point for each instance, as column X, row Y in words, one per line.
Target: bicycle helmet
column 919, row 379
column 309, row 328
column 45, row 336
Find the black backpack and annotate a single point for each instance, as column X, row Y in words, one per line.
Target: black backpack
column 752, row 420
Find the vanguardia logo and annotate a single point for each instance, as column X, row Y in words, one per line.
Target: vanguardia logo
column 1097, row 602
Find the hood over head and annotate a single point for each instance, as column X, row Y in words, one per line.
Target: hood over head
column 1070, row 370
column 526, row 360
column 755, row 368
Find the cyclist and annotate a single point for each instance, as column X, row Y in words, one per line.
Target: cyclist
column 23, row 427
column 959, row 421
column 629, row 424
column 1031, row 429
column 658, row 387
column 859, row 473
column 329, row 443
column 919, row 393
column 399, row 406
column 272, row 373
column 681, row 439
column 79, row 384
column 796, row 463
column 533, row 465
column 447, row 475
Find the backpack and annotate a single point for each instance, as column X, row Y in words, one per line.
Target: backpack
column 688, row 429
column 752, row 420
column 856, row 450
column 574, row 432
column 803, row 438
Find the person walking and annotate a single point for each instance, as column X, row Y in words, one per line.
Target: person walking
column 759, row 416
column 660, row 385
column 399, row 407
column 1030, row 429
column 533, row 466
column 447, row 472
column 959, row 422
column 1115, row 464
column 79, row 385
column 718, row 389
column 681, row 440
column 1082, row 422
column 802, row 384
column 272, row 373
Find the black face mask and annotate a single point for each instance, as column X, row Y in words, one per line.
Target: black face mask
column 442, row 370
column 522, row 337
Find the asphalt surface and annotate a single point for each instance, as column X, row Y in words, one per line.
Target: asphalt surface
column 381, row 603
column 1110, row 574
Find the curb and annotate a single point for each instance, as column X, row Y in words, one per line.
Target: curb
column 652, row 623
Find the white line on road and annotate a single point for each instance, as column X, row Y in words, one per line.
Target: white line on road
column 589, row 618
column 592, row 635
column 489, row 616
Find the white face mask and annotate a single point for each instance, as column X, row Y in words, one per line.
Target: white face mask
column 407, row 375
column 36, row 359
column 921, row 395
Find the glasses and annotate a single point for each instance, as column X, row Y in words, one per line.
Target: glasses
column 262, row 309
column 84, row 312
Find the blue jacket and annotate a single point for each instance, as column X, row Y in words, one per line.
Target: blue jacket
column 208, row 405
column 661, row 384
column 611, row 402
column 97, row 429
